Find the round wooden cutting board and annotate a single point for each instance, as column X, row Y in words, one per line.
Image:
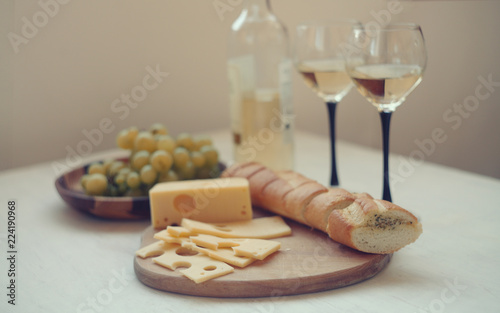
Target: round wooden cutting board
column 308, row 261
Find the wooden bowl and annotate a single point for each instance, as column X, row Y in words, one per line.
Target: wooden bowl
column 124, row 208
column 69, row 188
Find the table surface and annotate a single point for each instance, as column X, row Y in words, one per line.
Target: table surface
column 67, row 261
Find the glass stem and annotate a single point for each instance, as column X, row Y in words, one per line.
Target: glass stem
column 334, row 181
column 385, row 118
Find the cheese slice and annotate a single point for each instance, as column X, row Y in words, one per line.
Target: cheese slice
column 256, row 248
column 253, row 248
column 155, row 249
column 178, row 231
column 224, row 254
column 166, row 237
column 200, row 267
column 262, row 228
column 214, row 242
column 216, row 200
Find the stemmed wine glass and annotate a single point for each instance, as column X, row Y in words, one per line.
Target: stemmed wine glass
column 386, row 64
column 318, row 58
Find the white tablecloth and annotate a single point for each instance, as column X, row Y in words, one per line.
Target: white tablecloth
column 67, row 261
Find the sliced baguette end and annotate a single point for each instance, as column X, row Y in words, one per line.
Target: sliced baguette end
column 374, row 226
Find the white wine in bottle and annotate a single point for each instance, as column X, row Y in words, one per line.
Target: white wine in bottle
column 259, row 72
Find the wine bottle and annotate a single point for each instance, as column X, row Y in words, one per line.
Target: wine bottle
column 259, row 72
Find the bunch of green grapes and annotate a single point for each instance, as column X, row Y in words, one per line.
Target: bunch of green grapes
column 155, row 156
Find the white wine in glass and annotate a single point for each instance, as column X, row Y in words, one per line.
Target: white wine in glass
column 386, row 65
column 328, row 78
column 318, row 58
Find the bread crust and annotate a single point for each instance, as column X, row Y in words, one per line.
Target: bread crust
column 248, row 170
column 297, row 200
column 274, row 194
column 319, row 209
column 362, row 195
column 258, row 183
column 339, row 228
column 231, row 170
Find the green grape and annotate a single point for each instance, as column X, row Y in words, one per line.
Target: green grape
column 211, row 155
column 115, row 167
column 83, row 180
column 124, row 140
column 133, row 132
column 198, row 159
column 207, row 172
column 133, row 180
column 134, row 193
column 185, row 140
column 166, row 142
column 181, row 157
column 158, row 129
column 112, row 191
column 120, row 178
column 145, row 141
column 122, row 187
column 161, row 161
column 96, row 168
column 168, row 177
column 107, row 164
column 96, row 184
column 201, row 141
column 124, row 170
column 215, row 172
column 140, row 159
column 148, row 174
column 188, row 171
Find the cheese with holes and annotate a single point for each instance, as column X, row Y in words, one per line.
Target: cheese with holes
column 252, row 248
column 200, row 267
column 216, row 200
column 209, row 250
column 223, row 254
column 260, row 228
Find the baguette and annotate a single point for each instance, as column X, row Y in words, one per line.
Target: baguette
column 353, row 219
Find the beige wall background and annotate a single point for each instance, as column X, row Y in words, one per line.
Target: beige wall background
column 67, row 67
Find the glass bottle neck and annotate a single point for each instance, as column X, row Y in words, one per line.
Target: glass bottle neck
column 263, row 4
column 258, row 9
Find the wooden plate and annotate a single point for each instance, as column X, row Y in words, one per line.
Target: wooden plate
column 308, row 261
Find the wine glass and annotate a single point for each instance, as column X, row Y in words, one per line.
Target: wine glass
column 318, row 58
column 386, row 64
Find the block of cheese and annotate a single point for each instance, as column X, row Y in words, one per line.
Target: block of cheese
column 217, row 200
column 261, row 228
